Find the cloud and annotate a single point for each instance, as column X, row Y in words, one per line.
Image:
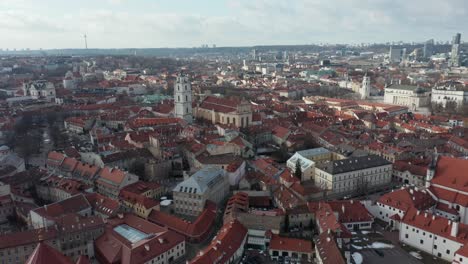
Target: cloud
column 123, row 23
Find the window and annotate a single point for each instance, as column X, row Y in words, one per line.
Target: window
column 421, row 241
column 406, row 236
column 435, row 246
column 448, row 251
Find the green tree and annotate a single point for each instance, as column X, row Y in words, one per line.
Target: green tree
column 298, row 171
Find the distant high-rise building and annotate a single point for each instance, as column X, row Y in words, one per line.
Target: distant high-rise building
column 395, row 54
column 455, row 55
column 428, row 49
column 183, row 98
column 254, row 54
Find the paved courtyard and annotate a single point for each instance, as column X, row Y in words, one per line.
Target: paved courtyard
column 391, row 256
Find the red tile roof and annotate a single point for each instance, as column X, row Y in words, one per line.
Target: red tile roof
column 112, row 247
column 403, row 166
column 290, row 244
column 407, row 198
column 217, row 104
column 350, row 211
column 73, row 204
column 141, row 187
column 44, row 254
column 134, row 198
column 328, row 249
column 435, row 224
column 103, row 204
column 224, row 245
column 193, row 231
column 111, row 174
column 83, row 260
column 55, row 158
column 451, row 173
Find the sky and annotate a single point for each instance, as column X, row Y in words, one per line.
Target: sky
column 50, row 24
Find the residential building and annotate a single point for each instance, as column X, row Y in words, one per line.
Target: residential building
column 226, row 247
column 128, row 239
column 297, row 249
column 391, row 207
column 307, row 160
column 434, row 235
column 194, row 232
column 446, row 181
column 327, row 250
column 356, row 174
column 73, row 236
column 407, row 172
column 110, row 181
column 209, row 183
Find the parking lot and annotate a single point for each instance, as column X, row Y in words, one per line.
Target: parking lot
column 390, row 256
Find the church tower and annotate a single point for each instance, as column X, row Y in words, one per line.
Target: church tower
column 183, row 98
column 365, row 88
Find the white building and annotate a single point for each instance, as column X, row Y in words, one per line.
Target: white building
column 365, row 87
column 392, row 206
column 183, row 98
column 413, row 97
column 209, row 183
column 450, row 92
column 69, row 82
column 39, row 89
column 354, row 174
column 446, row 181
column 307, row 159
column 435, row 235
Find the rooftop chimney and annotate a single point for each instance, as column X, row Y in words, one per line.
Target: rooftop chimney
column 454, row 231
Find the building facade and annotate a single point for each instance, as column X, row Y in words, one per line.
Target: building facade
column 225, row 111
column 354, row 174
column 209, row 183
column 410, row 96
column 183, row 98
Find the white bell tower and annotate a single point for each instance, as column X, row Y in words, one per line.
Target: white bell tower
column 366, row 87
column 183, row 98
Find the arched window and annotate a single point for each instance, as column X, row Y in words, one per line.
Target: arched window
column 186, row 98
column 178, row 98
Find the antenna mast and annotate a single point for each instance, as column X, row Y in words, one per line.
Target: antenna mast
column 85, row 41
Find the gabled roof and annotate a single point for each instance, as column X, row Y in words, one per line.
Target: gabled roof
column 353, row 164
column 73, row 204
column 407, row 198
column 224, row 245
column 290, row 244
column 44, row 254
column 200, row 181
column 328, row 249
column 437, row 225
column 451, row 172
column 113, row 175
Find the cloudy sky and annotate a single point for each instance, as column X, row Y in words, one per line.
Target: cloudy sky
column 188, row 23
